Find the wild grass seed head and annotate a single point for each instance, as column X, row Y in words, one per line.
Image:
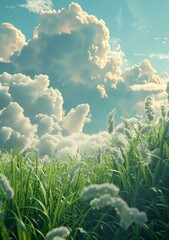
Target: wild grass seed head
column 167, row 91
column 149, row 109
column 163, row 111
column 111, row 121
column 98, row 155
column 5, row 187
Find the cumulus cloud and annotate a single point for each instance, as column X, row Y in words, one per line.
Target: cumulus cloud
column 72, row 145
column 45, row 124
column 73, row 49
column 32, row 114
column 11, row 40
column 148, row 87
column 37, row 6
column 160, row 56
column 15, row 128
column 73, row 46
column 33, row 95
column 102, row 90
column 141, row 74
column 70, row 51
column 144, row 78
column 74, row 120
column 140, row 81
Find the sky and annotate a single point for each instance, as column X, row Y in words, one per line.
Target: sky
column 65, row 65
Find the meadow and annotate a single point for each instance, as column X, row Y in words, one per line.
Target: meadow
column 120, row 193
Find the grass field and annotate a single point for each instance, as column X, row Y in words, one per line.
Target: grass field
column 127, row 196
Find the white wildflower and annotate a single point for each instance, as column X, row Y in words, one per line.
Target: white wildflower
column 120, row 140
column 74, row 172
column 5, row 187
column 148, row 129
column 103, row 198
column 117, row 155
column 58, row 233
column 121, row 128
column 131, row 215
column 97, row 190
column 120, row 205
column 98, row 155
column 140, row 218
column 56, row 238
column 127, row 218
column 155, row 152
column 144, row 152
column 103, row 201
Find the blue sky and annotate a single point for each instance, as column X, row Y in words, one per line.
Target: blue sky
column 67, row 69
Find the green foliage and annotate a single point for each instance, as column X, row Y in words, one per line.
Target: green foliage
column 47, row 192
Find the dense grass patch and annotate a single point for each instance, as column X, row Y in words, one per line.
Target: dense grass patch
column 47, row 192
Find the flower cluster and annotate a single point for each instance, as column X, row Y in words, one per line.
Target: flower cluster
column 59, row 233
column 130, row 215
column 5, row 187
column 107, row 195
column 96, row 190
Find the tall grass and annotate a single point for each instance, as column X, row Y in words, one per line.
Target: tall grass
column 47, row 192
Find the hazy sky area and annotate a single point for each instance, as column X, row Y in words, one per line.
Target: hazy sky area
column 65, row 65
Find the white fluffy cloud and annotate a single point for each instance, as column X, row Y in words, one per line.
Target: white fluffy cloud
column 33, row 95
column 140, row 81
column 73, row 145
column 37, row 6
column 142, row 73
column 160, row 56
column 75, row 119
column 70, row 51
column 102, row 90
column 31, row 114
column 15, row 128
column 148, row 87
column 72, row 46
column 11, row 40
